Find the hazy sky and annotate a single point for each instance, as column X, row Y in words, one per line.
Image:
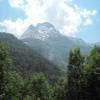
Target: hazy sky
column 76, row 18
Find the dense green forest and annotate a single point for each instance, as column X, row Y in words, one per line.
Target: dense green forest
column 27, row 60
column 82, row 81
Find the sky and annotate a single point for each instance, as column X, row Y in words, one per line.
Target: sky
column 75, row 18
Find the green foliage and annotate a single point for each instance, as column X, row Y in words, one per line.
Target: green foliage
column 40, row 88
column 13, row 87
column 26, row 60
column 9, row 80
column 4, row 68
column 61, row 89
column 75, row 68
column 93, row 74
column 84, row 75
column 82, row 81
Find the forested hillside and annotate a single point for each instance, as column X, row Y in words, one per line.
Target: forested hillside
column 49, row 49
column 27, row 60
column 82, row 81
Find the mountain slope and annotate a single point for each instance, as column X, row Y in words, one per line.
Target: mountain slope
column 26, row 59
column 97, row 44
column 51, row 44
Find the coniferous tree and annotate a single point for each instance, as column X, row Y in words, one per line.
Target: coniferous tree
column 93, row 74
column 10, row 80
column 4, row 67
column 61, row 89
column 75, row 68
column 40, row 88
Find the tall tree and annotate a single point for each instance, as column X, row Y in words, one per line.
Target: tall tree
column 39, row 87
column 10, row 80
column 61, row 89
column 4, row 66
column 93, row 74
column 75, row 68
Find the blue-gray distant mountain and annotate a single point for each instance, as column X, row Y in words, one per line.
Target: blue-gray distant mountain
column 50, row 43
column 97, row 43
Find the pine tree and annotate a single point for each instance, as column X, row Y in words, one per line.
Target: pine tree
column 4, row 66
column 39, row 88
column 10, row 80
column 93, row 74
column 61, row 89
column 75, row 68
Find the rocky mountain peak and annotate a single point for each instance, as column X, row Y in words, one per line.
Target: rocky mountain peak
column 42, row 31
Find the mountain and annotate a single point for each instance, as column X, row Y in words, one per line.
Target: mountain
column 50, row 43
column 41, row 31
column 97, row 43
column 26, row 59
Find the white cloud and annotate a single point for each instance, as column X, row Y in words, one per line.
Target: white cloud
column 88, row 21
column 65, row 15
column 16, row 3
column 15, row 27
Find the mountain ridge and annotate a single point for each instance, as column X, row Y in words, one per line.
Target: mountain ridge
column 26, row 59
column 51, row 44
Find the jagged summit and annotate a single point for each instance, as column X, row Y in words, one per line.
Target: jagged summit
column 42, row 31
column 29, row 32
column 51, row 44
column 31, row 27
